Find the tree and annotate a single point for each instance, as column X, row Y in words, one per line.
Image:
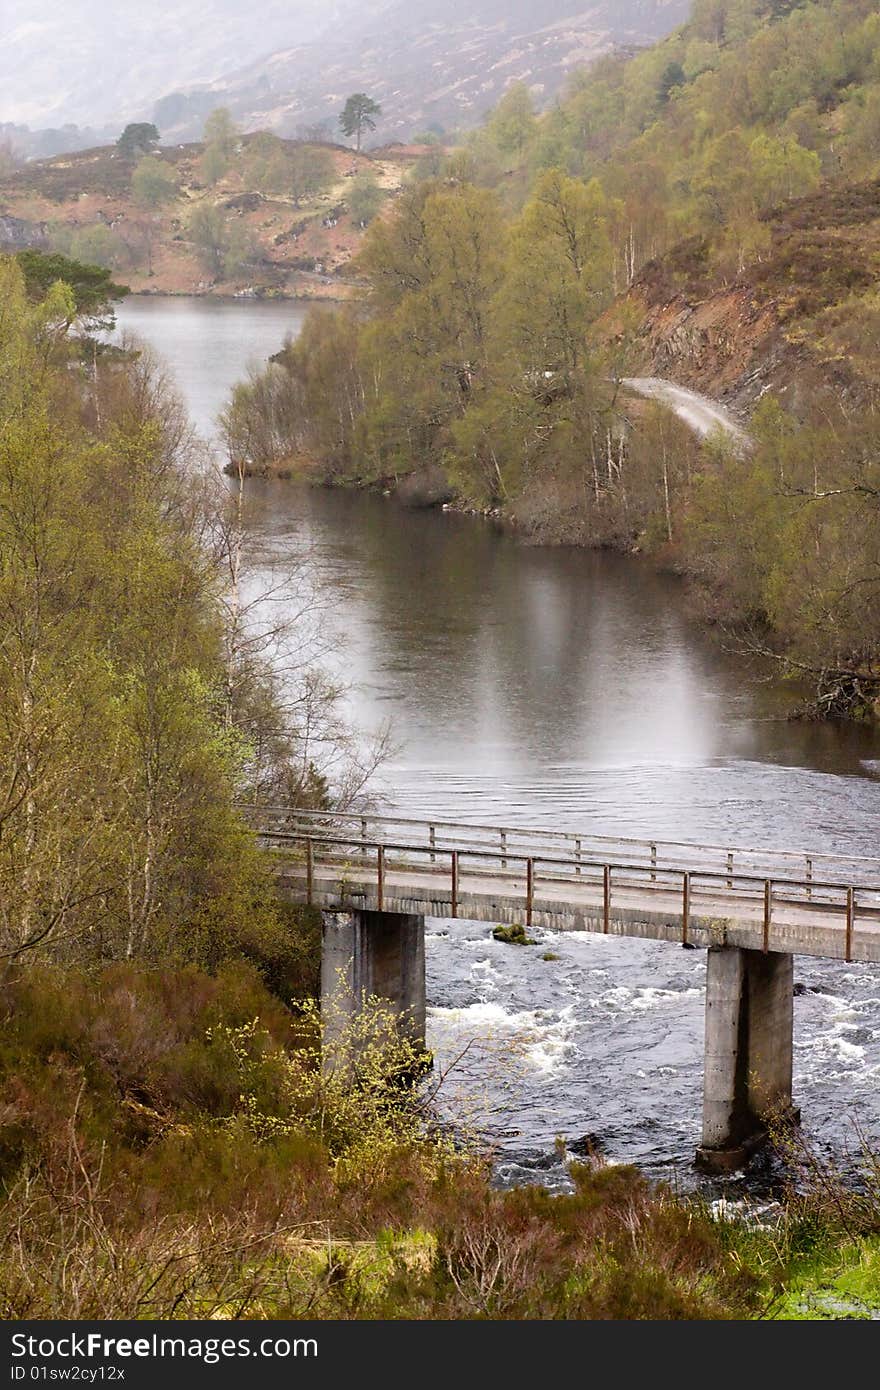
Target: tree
column 208, row 231
column 265, row 165
column 94, row 293
column 220, row 129
column 310, row 171
column 140, row 137
column 512, row 123
column 152, row 183
column 434, row 270
column 365, row 198
column 782, row 169
column 672, row 76
column 359, row 116
column 96, row 245
column 220, row 135
column 224, row 246
column 239, row 250
column 118, row 836
column 559, row 275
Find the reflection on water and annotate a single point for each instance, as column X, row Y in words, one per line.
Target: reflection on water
column 209, row 343
column 558, row 686
column 561, row 688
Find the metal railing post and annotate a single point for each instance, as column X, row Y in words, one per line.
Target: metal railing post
column 316, row 842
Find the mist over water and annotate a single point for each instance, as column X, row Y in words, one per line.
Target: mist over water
column 559, row 688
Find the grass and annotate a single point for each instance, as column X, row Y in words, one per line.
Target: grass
column 841, row 1285
column 171, row 1147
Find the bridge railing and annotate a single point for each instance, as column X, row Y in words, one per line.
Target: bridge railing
column 605, row 881
column 731, row 861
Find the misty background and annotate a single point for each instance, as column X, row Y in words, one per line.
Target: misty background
column 286, row 65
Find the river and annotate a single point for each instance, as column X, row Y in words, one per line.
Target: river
column 538, row 686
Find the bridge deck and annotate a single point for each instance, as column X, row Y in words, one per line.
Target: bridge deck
column 625, row 893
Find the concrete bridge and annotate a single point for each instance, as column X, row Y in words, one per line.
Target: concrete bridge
column 377, row 878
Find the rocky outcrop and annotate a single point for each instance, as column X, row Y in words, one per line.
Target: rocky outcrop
column 18, row 235
column 800, row 317
column 727, row 346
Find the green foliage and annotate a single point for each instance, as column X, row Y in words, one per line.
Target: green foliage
column 309, row 172
column 786, row 542
column 152, row 183
column 118, row 835
column 170, row 1147
column 359, row 116
column 266, row 422
column 223, row 244
column 558, row 274
column 138, row 138
column 364, row 198
column 264, row 162
column 177, row 1130
column 220, row 137
column 299, row 171
column 94, row 293
column 511, row 126
column 839, row 1285
column 746, row 106
column 97, row 245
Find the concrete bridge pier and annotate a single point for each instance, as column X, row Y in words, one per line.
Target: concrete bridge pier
column 748, row 1057
column 372, row 953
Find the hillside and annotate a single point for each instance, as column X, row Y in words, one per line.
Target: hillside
column 708, row 212
column 426, row 61
column 431, row 62
column 803, row 316
column 85, row 204
column 51, row 53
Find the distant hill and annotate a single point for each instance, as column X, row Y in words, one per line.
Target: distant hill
column 430, row 63
column 288, row 63
column 100, row 64
column 82, row 204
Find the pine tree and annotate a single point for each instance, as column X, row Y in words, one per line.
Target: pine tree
column 358, row 116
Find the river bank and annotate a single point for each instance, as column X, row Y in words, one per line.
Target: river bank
column 260, row 294
column 822, row 694
column 169, row 1137
column 557, row 687
column 677, row 479
column 272, row 215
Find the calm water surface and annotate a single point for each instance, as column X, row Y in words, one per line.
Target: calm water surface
column 557, row 687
